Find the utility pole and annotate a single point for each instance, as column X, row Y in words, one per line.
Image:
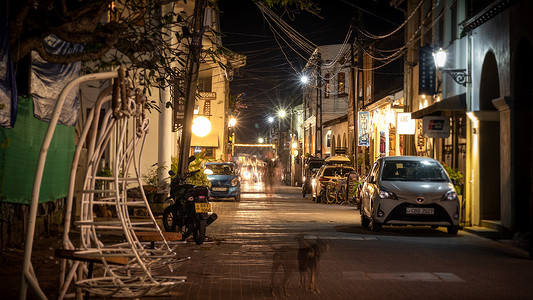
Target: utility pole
column 354, row 109
column 192, row 77
column 318, row 125
column 360, row 79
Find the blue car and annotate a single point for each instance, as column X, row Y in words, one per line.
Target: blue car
column 224, row 182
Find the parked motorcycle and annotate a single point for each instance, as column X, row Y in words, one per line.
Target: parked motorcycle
column 190, row 210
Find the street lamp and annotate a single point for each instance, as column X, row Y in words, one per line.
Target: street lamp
column 231, row 132
column 459, row 75
column 260, row 140
column 281, row 115
column 232, row 121
column 201, row 126
column 304, row 79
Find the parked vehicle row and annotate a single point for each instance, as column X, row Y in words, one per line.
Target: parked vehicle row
column 399, row 190
column 328, row 180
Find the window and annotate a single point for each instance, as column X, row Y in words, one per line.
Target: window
column 341, row 83
column 453, row 21
column 326, row 85
column 209, row 152
column 204, row 84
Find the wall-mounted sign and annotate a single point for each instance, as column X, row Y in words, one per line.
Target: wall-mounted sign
column 207, row 107
column 405, row 124
column 363, row 138
column 420, row 140
column 382, row 143
column 436, row 127
column 179, row 104
column 208, row 95
column 426, row 71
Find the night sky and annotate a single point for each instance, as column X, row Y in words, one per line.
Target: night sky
column 269, row 80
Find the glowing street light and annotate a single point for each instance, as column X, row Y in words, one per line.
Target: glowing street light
column 440, row 58
column 270, row 119
column 304, row 79
column 458, row 75
column 282, row 113
column 232, row 122
column 201, row 126
column 260, row 140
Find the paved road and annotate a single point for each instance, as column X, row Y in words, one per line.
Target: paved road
column 397, row 263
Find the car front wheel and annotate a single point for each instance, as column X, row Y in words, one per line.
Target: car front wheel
column 374, row 225
column 453, row 229
column 364, row 220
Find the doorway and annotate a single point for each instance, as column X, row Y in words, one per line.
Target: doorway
column 489, row 146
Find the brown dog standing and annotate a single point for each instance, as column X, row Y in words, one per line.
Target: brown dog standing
column 306, row 257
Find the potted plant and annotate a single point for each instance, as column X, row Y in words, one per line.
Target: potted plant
column 154, row 188
column 457, row 177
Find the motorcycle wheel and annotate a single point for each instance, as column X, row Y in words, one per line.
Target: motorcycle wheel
column 341, row 195
column 199, row 232
column 331, row 196
column 170, row 218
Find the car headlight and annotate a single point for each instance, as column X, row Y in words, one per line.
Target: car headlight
column 450, row 195
column 384, row 194
column 234, row 181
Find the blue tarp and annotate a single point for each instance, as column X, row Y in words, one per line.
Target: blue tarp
column 49, row 79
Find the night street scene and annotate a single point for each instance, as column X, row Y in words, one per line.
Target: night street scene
column 266, row 149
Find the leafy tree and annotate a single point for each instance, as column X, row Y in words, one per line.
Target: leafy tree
column 143, row 35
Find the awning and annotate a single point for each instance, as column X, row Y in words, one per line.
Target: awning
column 454, row 103
column 210, row 140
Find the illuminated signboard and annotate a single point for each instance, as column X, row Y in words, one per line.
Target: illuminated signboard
column 363, row 138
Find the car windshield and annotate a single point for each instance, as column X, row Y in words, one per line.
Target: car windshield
column 221, row 169
column 338, row 171
column 413, row 171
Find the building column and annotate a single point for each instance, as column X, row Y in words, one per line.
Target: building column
column 165, row 133
column 506, row 208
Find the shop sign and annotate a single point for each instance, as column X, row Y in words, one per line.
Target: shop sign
column 179, row 104
column 420, row 140
column 363, row 138
column 436, row 127
column 405, row 124
column 208, row 95
column 382, row 143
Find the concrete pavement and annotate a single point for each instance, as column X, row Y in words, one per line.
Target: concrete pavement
column 398, row 263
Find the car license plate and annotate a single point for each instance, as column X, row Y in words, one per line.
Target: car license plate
column 202, row 207
column 419, row 210
column 219, row 189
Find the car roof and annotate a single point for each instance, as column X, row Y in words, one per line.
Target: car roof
column 408, row 158
column 337, row 166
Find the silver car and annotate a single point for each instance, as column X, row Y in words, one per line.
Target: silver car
column 409, row 190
